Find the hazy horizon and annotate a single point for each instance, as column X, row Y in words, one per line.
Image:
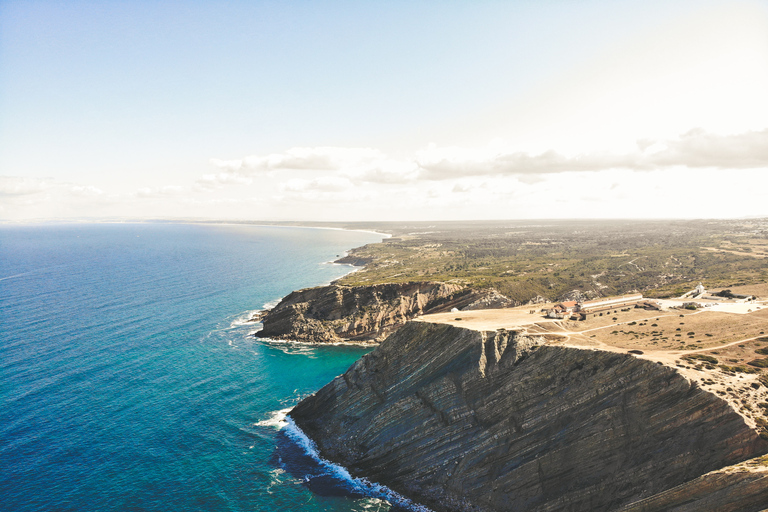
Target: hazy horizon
column 343, row 112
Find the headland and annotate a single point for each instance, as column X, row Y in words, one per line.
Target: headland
column 549, row 366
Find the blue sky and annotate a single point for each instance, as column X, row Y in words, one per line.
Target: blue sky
column 386, row 110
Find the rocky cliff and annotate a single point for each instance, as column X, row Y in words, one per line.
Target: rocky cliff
column 462, row 420
column 738, row 488
column 366, row 313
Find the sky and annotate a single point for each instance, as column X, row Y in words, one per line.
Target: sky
column 397, row 110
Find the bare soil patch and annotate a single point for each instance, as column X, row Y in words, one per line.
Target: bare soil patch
column 679, row 331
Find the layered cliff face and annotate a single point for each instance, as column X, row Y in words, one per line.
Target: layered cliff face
column 462, row 420
column 738, row 488
column 366, row 313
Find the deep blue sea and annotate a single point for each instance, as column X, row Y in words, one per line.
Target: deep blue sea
column 129, row 381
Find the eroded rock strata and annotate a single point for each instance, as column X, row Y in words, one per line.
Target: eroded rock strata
column 462, row 420
column 739, row 488
column 366, row 313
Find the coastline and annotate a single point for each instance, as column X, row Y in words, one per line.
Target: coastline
column 272, row 341
column 283, row 421
column 256, row 315
column 360, row 484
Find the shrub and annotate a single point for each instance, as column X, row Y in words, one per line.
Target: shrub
column 740, row 369
column 759, row 363
column 702, row 357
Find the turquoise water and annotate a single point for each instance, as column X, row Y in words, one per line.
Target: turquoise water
column 128, row 380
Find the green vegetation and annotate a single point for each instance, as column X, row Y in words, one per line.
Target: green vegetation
column 738, row 369
column 525, row 259
column 702, row 357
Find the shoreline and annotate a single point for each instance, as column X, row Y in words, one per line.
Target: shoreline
column 272, row 341
column 270, row 305
column 361, row 484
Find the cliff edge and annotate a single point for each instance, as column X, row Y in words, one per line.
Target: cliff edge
column 337, row 313
column 464, row 420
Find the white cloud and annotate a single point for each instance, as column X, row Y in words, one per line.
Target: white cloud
column 211, row 181
column 170, row 190
column 494, row 181
column 360, row 166
column 300, row 158
column 86, row 191
column 698, row 148
column 15, row 186
column 364, row 164
column 31, row 189
column 322, row 184
column 694, row 149
column 386, row 171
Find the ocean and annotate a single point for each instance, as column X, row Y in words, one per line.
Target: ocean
column 129, row 380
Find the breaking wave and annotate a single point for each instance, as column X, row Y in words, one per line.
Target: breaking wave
column 333, row 476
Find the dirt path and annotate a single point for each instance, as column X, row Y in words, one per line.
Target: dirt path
column 721, row 346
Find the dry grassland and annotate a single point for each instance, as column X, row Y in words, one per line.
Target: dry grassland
column 678, row 331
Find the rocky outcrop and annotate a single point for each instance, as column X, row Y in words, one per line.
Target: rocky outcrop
column 337, row 313
column 739, row 488
column 577, row 295
column 462, row 420
column 355, row 261
column 491, row 300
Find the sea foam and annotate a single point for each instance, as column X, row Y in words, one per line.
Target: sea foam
column 361, row 485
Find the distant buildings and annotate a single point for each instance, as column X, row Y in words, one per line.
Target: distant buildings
column 599, row 307
column 696, row 293
column 594, row 308
column 561, row 309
